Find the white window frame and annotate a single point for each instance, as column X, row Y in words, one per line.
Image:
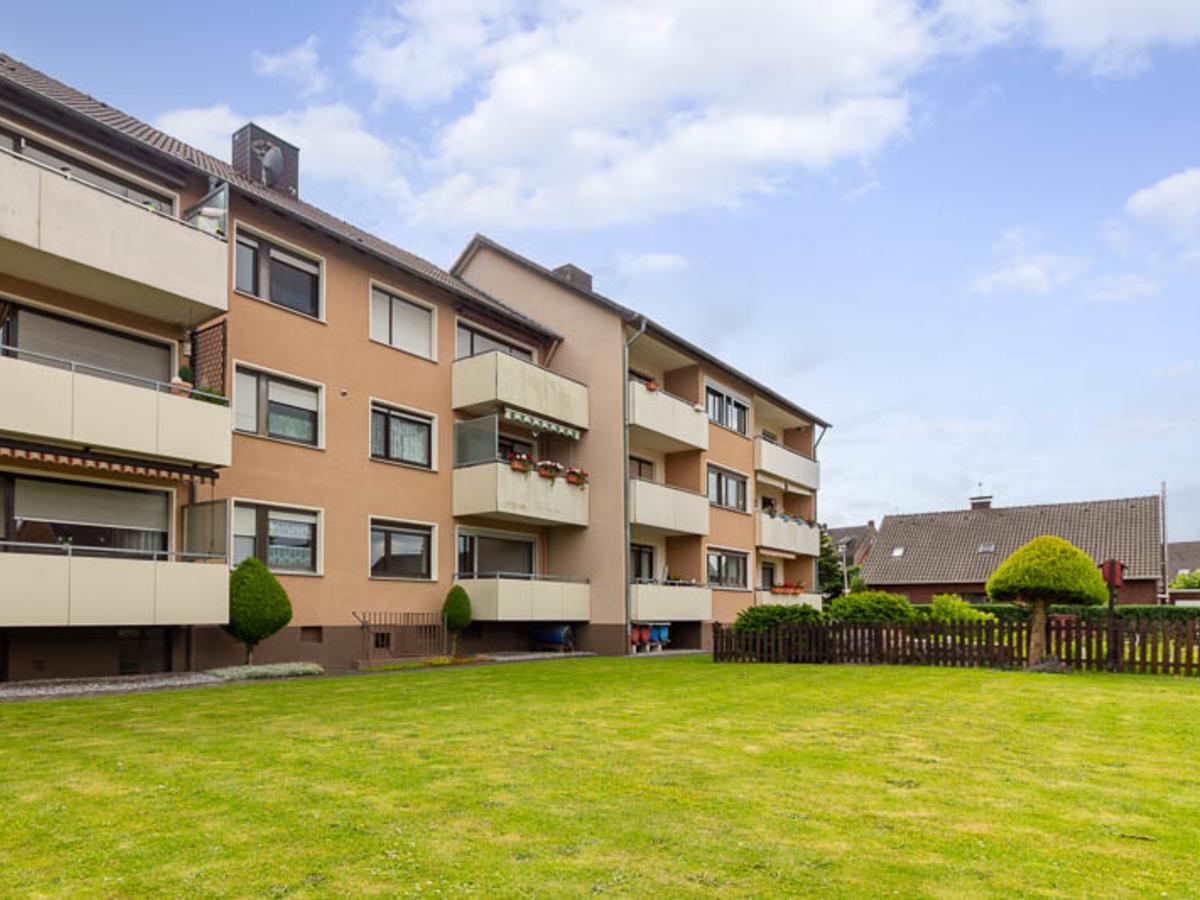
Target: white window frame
column 287, row 376
column 730, row 394
column 412, row 411
column 307, row 260
column 400, row 522
column 295, row 507
column 407, row 297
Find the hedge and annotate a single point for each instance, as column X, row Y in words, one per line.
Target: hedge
column 768, row 616
column 872, row 606
column 1013, row 612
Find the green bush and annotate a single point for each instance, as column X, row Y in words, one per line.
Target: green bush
column 1004, row 612
column 953, row 608
column 858, row 584
column 456, row 613
column 768, row 616
column 1189, row 581
column 1012, row 612
column 258, row 604
column 1047, row 569
column 872, row 606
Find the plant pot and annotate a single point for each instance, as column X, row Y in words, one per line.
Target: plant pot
column 546, row 474
column 518, row 466
column 576, row 480
column 180, row 388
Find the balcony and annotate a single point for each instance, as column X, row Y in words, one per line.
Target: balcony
column 671, row 603
column 785, row 464
column 60, row 232
column 495, row 490
column 788, row 535
column 528, row 599
column 49, row 585
column 666, row 508
column 767, row 598
column 663, row 422
column 483, row 382
column 46, row 397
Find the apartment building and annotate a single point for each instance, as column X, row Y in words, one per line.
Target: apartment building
column 374, row 428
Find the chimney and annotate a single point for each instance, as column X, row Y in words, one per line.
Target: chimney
column 984, row 501
column 575, row 275
column 266, row 159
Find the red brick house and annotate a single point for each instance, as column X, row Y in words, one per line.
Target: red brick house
column 956, row 552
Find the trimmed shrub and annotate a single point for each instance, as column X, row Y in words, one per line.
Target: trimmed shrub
column 768, row 616
column 273, row 670
column 1012, row 612
column 1004, row 612
column 258, row 604
column 953, row 608
column 456, row 612
column 872, row 606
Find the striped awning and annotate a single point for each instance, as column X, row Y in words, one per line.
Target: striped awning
column 540, row 425
column 102, row 462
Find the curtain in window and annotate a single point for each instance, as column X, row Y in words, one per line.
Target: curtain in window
column 410, row 440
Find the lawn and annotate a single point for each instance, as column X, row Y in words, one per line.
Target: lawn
column 672, row 776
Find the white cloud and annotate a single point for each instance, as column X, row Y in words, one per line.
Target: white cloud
column 300, row 65
column 208, row 128
column 1125, row 287
column 1114, row 36
column 1037, row 274
column 1172, row 203
column 640, row 263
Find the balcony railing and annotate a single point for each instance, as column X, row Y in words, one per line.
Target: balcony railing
column 136, row 258
column 670, row 602
column 496, row 490
column 788, row 534
column 664, row 422
column 493, row 379
column 49, row 397
column 667, row 508
column 523, row 597
column 786, row 464
column 50, row 585
column 767, row 597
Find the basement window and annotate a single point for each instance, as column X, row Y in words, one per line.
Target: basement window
column 897, row 551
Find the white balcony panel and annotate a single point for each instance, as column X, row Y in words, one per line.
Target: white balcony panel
column 786, row 464
column 515, row 600
column 192, row 593
column 495, row 490
column 665, row 423
column 671, row 603
column 667, row 509
column 766, row 598
column 481, row 383
column 66, row 234
column 789, row 536
column 37, row 589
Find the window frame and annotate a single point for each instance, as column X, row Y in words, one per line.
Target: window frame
column 724, row 555
column 725, row 400
column 387, row 408
column 268, row 245
column 390, row 525
column 490, row 334
column 263, row 378
column 395, row 294
column 639, row 553
column 640, row 462
column 475, row 533
column 263, row 509
column 724, row 477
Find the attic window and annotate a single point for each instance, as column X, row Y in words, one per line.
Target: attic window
column 897, row 551
column 987, row 548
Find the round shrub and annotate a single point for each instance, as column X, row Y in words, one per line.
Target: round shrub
column 951, row 608
column 770, row 615
column 456, row 613
column 872, row 606
column 1048, row 569
column 258, row 604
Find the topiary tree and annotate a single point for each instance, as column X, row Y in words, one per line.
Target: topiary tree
column 456, row 612
column 872, row 606
column 1046, row 570
column 258, row 604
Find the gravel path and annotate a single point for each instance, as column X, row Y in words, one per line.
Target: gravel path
column 124, row 684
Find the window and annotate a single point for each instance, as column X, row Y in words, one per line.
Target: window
column 402, row 437
column 728, row 410
column 770, row 437
column 383, row 640
column 93, row 175
column 489, row 556
column 471, row 342
column 285, row 539
column 727, row 568
column 312, row 634
column 401, row 550
column 96, row 521
column 726, row 489
column 401, row 323
column 641, row 468
column 767, row 576
column 769, row 505
column 641, row 563
column 290, row 280
column 508, row 446
column 276, row 407
column 987, row 548
column 897, row 551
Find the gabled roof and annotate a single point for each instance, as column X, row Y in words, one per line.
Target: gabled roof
column 629, row 315
column 858, row 539
column 130, row 130
column 944, row 547
column 1182, row 555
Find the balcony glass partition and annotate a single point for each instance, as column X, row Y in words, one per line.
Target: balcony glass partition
column 476, row 441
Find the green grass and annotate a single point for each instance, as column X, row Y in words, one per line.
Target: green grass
column 671, row 776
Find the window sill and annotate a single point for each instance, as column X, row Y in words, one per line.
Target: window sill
column 289, row 572
column 730, row 430
column 403, row 465
column 278, row 440
column 402, row 579
column 429, row 359
column 738, row 590
column 320, row 320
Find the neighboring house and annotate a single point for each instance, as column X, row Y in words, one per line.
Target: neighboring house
column 376, row 401
column 857, row 541
column 1183, row 557
column 955, row 552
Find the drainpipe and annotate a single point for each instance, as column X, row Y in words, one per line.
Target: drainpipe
column 625, row 468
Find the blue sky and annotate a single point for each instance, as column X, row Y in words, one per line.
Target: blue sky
column 966, row 232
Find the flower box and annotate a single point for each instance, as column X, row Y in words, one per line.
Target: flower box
column 519, row 462
column 549, row 469
column 577, row 477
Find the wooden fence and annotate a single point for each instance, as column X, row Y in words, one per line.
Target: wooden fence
column 1137, row 646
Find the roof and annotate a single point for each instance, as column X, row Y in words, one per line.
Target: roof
column 1182, row 555
column 944, row 547
column 858, row 539
column 124, row 127
column 629, row 315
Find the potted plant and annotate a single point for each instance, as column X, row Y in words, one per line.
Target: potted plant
column 520, row 462
column 577, row 477
column 653, row 385
column 182, row 384
column 549, row 469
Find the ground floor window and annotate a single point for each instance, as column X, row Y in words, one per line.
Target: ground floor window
column 489, row 556
column 641, row 562
column 727, row 568
column 285, row 539
column 401, row 550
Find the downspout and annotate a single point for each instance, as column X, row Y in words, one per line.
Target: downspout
column 625, row 468
column 1165, row 597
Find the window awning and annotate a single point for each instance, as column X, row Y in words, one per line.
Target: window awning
column 104, row 462
column 540, row 425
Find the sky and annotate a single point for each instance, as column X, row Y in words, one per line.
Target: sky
column 965, row 232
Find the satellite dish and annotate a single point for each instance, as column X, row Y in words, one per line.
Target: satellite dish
column 271, row 158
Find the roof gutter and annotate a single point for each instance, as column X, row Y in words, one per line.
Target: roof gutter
column 625, row 481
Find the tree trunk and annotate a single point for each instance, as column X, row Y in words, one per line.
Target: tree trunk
column 249, row 654
column 1037, row 633
column 454, row 645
